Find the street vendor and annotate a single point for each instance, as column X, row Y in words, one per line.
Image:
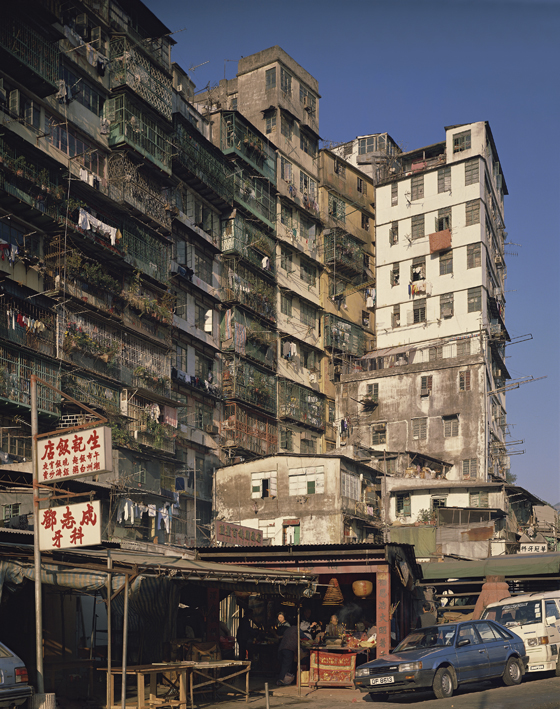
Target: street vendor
column 282, row 625
column 309, row 627
column 333, row 629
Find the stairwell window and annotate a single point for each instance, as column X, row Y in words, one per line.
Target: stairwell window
column 419, row 429
column 474, row 299
column 462, row 141
column 417, row 187
column 394, row 194
column 469, row 469
column 308, row 273
column 474, row 255
column 444, row 179
column 396, row 316
column 471, row 172
column 450, row 426
column 418, row 227
column 465, row 380
column 446, row 306
column 472, row 212
column 270, row 78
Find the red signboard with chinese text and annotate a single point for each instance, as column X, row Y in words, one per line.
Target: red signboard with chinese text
column 235, row 534
column 383, row 604
column 70, row 526
column 74, row 454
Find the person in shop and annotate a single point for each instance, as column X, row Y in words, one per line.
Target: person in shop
column 282, row 626
column 333, row 629
column 427, row 617
column 245, row 634
column 287, row 651
column 309, row 627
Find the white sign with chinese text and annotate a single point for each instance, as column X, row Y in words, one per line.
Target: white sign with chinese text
column 70, row 526
column 533, row 548
column 73, row 454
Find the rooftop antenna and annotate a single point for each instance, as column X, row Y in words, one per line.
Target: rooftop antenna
column 192, row 68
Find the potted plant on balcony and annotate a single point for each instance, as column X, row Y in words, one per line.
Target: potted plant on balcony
column 18, row 165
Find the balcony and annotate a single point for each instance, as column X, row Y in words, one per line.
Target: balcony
column 239, row 138
column 247, row 383
column 145, row 427
column 92, row 393
column 200, row 164
column 255, row 194
column 132, row 68
column 27, row 325
column 130, row 125
column 16, row 369
column 130, row 188
column 248, row 431
column 28, row 57
column 240, row 285
column 144, row 251
column 257, row 342
column 240, row 238
column 343, row 336
column 302, row 405
column 344, row 253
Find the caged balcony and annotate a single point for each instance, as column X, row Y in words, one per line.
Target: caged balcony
column 145, row 252
column 343, row 336
column 247, row 383
column 343, row 252
column 92, row 393
column 240, row 238
column 130, row 67
column 241, row 285
column 238, row 137
column 249, row 431
column 16, row 369
column 257, row 341
column 256, row 195
column 300, row 404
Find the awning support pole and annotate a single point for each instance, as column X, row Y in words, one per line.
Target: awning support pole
column 125, row 645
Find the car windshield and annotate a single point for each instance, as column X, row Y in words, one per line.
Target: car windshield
column 512, row 614
column 434, row 636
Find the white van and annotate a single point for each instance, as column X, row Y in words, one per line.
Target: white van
column 535, row 617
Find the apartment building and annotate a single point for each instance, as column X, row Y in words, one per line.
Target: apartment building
column 435, row 384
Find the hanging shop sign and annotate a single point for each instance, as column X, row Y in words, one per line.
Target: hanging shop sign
column 235, row 534
column 70, row 526
column 74, row 454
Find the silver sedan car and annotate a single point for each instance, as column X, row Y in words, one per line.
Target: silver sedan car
column 14, row 683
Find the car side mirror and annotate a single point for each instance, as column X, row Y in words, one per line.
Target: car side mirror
column 463, row 642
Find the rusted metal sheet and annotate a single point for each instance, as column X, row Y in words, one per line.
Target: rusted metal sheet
column 477, row 534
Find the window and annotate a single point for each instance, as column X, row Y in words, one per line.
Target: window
column 446, row 305
column 438, row 502
column 435, row 353
column 450, row 426
column 445, row 263
column 203, row 266
column 478, row 499
column 286, row 259
column 469, row 469
column 365, row 222
column 286, row 82
column 270, row 123
column 418, row 226
column 350, row 486
column 307, row 227
column 307, row 185
column 474, row 299
column 444, row 180
column 394, row 233
column 443, row 219
column 202, row 366
column 286, row 127
column 306, row 481
column 366, row 145
column 394, row 194
column 286, row 305
column 395, row 275
column 337, row 208
column 418, row 269
column 463, row 348
column 234, row 103
column 465, row 380
column 286, row 215
column 473, row 255
column 365, row 318
column 551, row 610
column 264, row 485
column 309, row 446
column 199, row 315
column 426, row 385
column 308, row 358
column 82, row 92
column 13, row 510
column 419, row 429
column 287, row 439
column 361, row 186
column 462, row 141
column 308, row 314
column 308, row 273
column 472, row 212
column 307, row 145
column 419, row 310
column 291, row 534
column 307, row 98
column 270, row 78
column 471, row 172
column 340, row 169
column 417, row 187
column 203, row 416
column 181, row 358
column 286, row 171
column 373, row 392
column 396, row 316
column 402, row 503
column 379, row 434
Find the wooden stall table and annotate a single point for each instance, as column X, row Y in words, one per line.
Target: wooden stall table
column 182, row 670
column 213, row 681
column 333, row 666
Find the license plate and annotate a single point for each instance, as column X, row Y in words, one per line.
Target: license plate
column 534, row 668
column 382, row 680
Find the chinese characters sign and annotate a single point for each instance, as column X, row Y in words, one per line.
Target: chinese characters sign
column 70, row 526
column 73, row 454
column 533, row 548
column 236, row 534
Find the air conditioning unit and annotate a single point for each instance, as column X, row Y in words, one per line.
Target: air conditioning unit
column 211, row 429
column 424, row 392
column 179, row 87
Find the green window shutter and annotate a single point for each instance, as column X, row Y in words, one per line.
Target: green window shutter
column 296, row 534
column 311, row 487
column 406, row 506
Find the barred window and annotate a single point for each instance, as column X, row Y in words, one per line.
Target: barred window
column 402, row 502
column 471, row 172
column 270, row 123
column 450, row 426
column 472, row 212
column 469, row 468
column 444, row 179
column 286, row 171
column 286, row 305
column 286, row 127
column 418, row 226
column 394, row 194
column 462, row 141
column 379, row 434
column 339, row 169
column 308, row 273
column 419, row 309
column 474, row 299
column 446, row 305
column 286, row 82
column 308, row 314
column 473, row 255
column 446, row 263
column 337, row 208
column 307, row 185
column 417, row 186
column 287, row 439
column 463, row 348
column 419, row 429
column 465, row 380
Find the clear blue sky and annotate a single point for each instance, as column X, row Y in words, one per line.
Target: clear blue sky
column 411, row 68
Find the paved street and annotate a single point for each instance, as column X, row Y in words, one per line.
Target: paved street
column 531, row 694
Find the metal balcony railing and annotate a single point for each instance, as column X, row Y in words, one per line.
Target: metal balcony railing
column 30, row 52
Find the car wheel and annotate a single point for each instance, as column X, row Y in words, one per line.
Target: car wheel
column 512, row 673
column 443, row 684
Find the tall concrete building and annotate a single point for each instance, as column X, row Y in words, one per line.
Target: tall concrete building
column 435, row 384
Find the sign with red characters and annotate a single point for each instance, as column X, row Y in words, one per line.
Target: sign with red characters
column 70, row 526
column 74, row 454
